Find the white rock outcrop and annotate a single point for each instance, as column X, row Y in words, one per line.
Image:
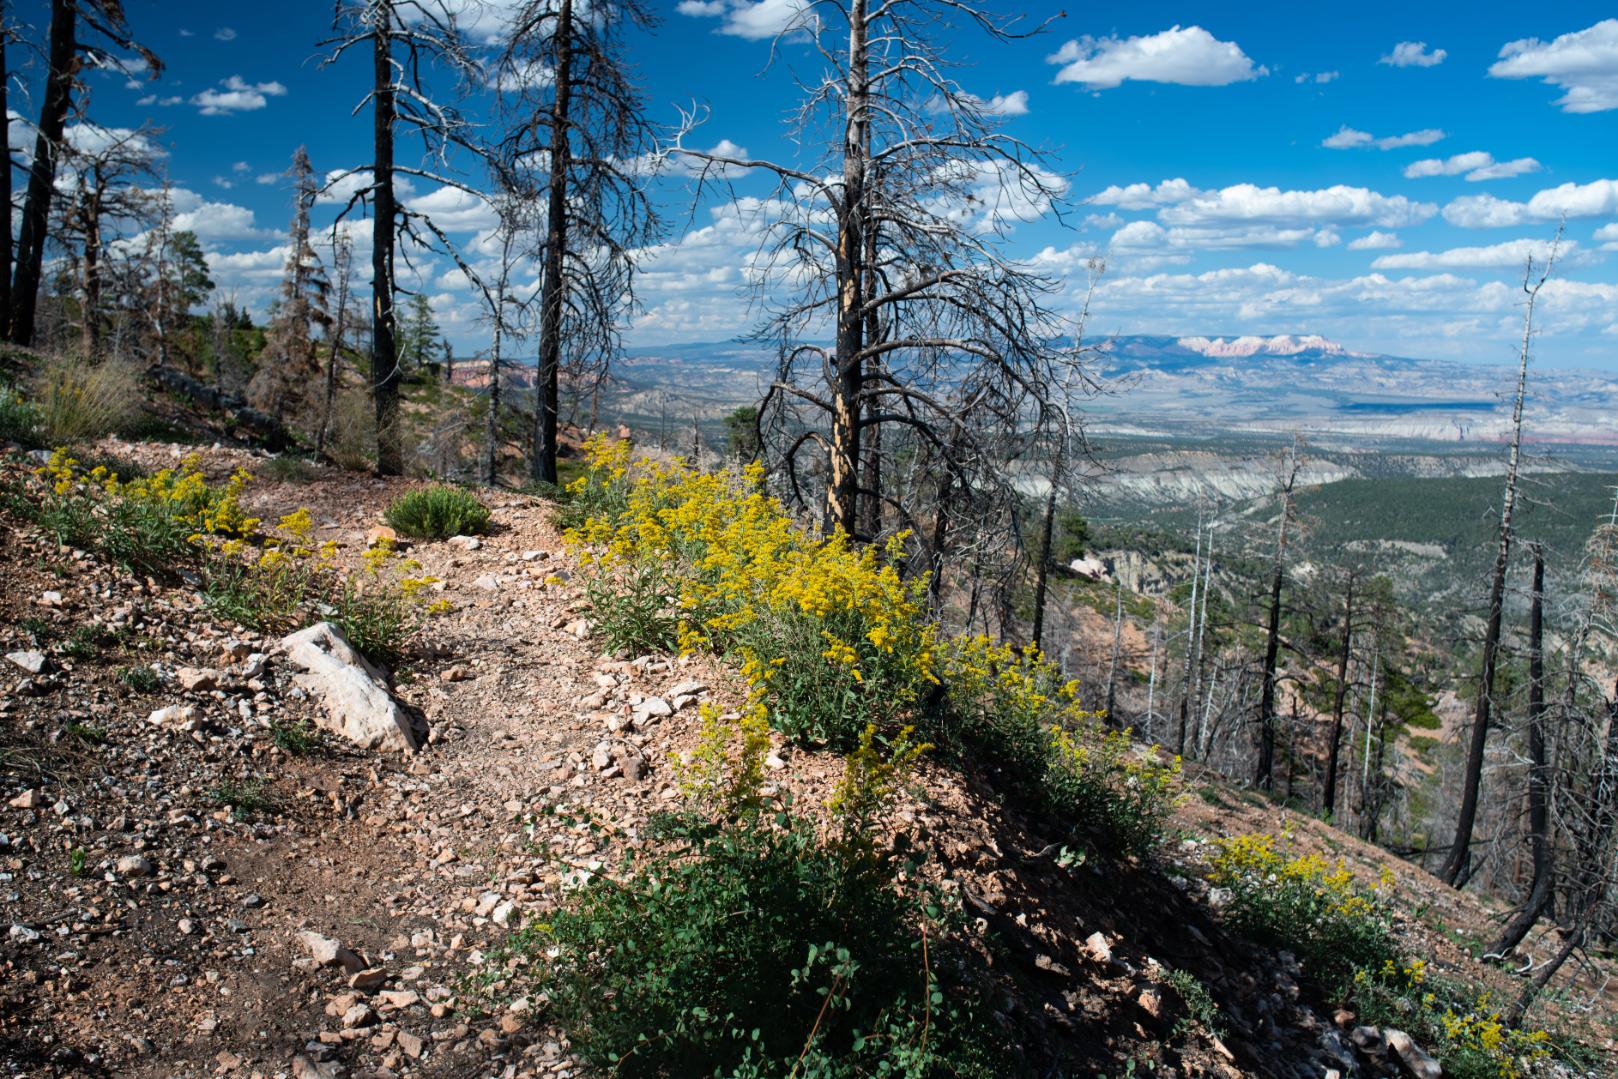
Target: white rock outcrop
column 353, row 695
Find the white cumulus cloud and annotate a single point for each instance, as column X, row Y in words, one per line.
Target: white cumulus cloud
column 1507, row 255
column 1599, row 198
column 238, row 95
column 1145, row 196
column 1347, row 138
column 1583, row 64
column 1476, row 165
column 755, row 21
column 1184, row 56
column 1375, row 240
column 1339, row 204
column 1413, row 54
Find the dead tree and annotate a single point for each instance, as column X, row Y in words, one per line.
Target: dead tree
column 1339, row 697
column 5, row 175
column 579, row 135
column 504, row 315
column 100, row 195
column 1539, row 840
column 1456, row 864
column 893, row 146
column 342, row 269
column 81, row 32
column 291, row 364
column 1262, row 774
column 407, row 40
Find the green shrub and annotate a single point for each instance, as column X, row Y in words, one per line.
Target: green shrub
column 634, row 607
column 288, row 469
column 19, row 420
column 296, row 737
column 437, row 512
column 140, row 679
column 750, row 945
column 1303, row 903
column 246, row 799
column 80, row 401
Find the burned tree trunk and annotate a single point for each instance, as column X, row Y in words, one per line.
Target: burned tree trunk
column 548, row 382
column 63, row 61
column 1263, row 772
column 1334, row 745
column 1539, row 894
column 1460, row 855
column 384, row 348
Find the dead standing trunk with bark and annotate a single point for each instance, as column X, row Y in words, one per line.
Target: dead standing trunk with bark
column 1339, row 698
column 843, row 483
column 384, row 348
column 548, row 383
column 1263, row 776
column 1539, row 893
column 1456, row 866
column 63, row 68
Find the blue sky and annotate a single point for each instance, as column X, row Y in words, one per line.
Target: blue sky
column 1372, row 173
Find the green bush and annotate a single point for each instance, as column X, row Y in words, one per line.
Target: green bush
column 437, row 513
column 19, row 420
column 634, row 607
column 749, row 945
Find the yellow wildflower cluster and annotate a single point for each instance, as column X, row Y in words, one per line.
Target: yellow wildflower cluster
column 725, row 773
column 833, row 633
column 835, row 642
column 272, row 577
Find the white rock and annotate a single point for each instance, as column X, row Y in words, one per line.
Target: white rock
column 465, row 543
column 353, row 695
column 21, row 934
column 51, row 599
column 134, row 865
column 502, row 913
column 1411, row 1055
column 529, row 556
column 689, row 688
column 653, row 706
column 32, row 662
column 489, row 582
column 179, row 716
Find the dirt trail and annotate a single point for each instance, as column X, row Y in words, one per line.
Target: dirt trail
column 545, row 761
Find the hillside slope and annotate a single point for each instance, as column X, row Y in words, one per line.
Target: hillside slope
column 159, row 866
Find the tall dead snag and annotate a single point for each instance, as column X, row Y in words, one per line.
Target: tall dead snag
column 889, row 222
column 1539, row 840
column 1263, row 771
column 1334, row 743
column 578, row 135
column 291, row 366
column 407, row 41
column 5, row 174
column 81, row 32
column 504, row 321
column 1457, row 864
column 97, row 194
column 342, row 270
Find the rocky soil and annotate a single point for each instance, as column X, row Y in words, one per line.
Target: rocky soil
column 187, row 889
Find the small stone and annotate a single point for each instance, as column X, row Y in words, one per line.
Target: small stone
column 252, row 901
column 411, row 1044
column 1150, row 1003
column 1097, row 948
column 360, row 1015
column 187, row 927
column 653, row 706
column 502, row 914
column 1414, row 1060
column 689, row 688
column 489, row 582
column 368, row 980
column 530, row 556
column 22, row 934
column 134, row 865
column 28, row 799
column 51, row 599
column 457, row 673
column 182, row 717
column 380, row 535
column 32, row 662
column 197, row 679
column 465, row 543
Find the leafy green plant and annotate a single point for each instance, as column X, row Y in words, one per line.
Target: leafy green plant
column 76, row 859
column 296, row 736
column 633, row 607
column 750, row 945
column 87, row 733
column 437, row 512
column 83, row 643
column 288, row 469
column 1200, row 1007
column 19, row 420
column 140, row 679
column 1304, row 903
column 246, row 798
